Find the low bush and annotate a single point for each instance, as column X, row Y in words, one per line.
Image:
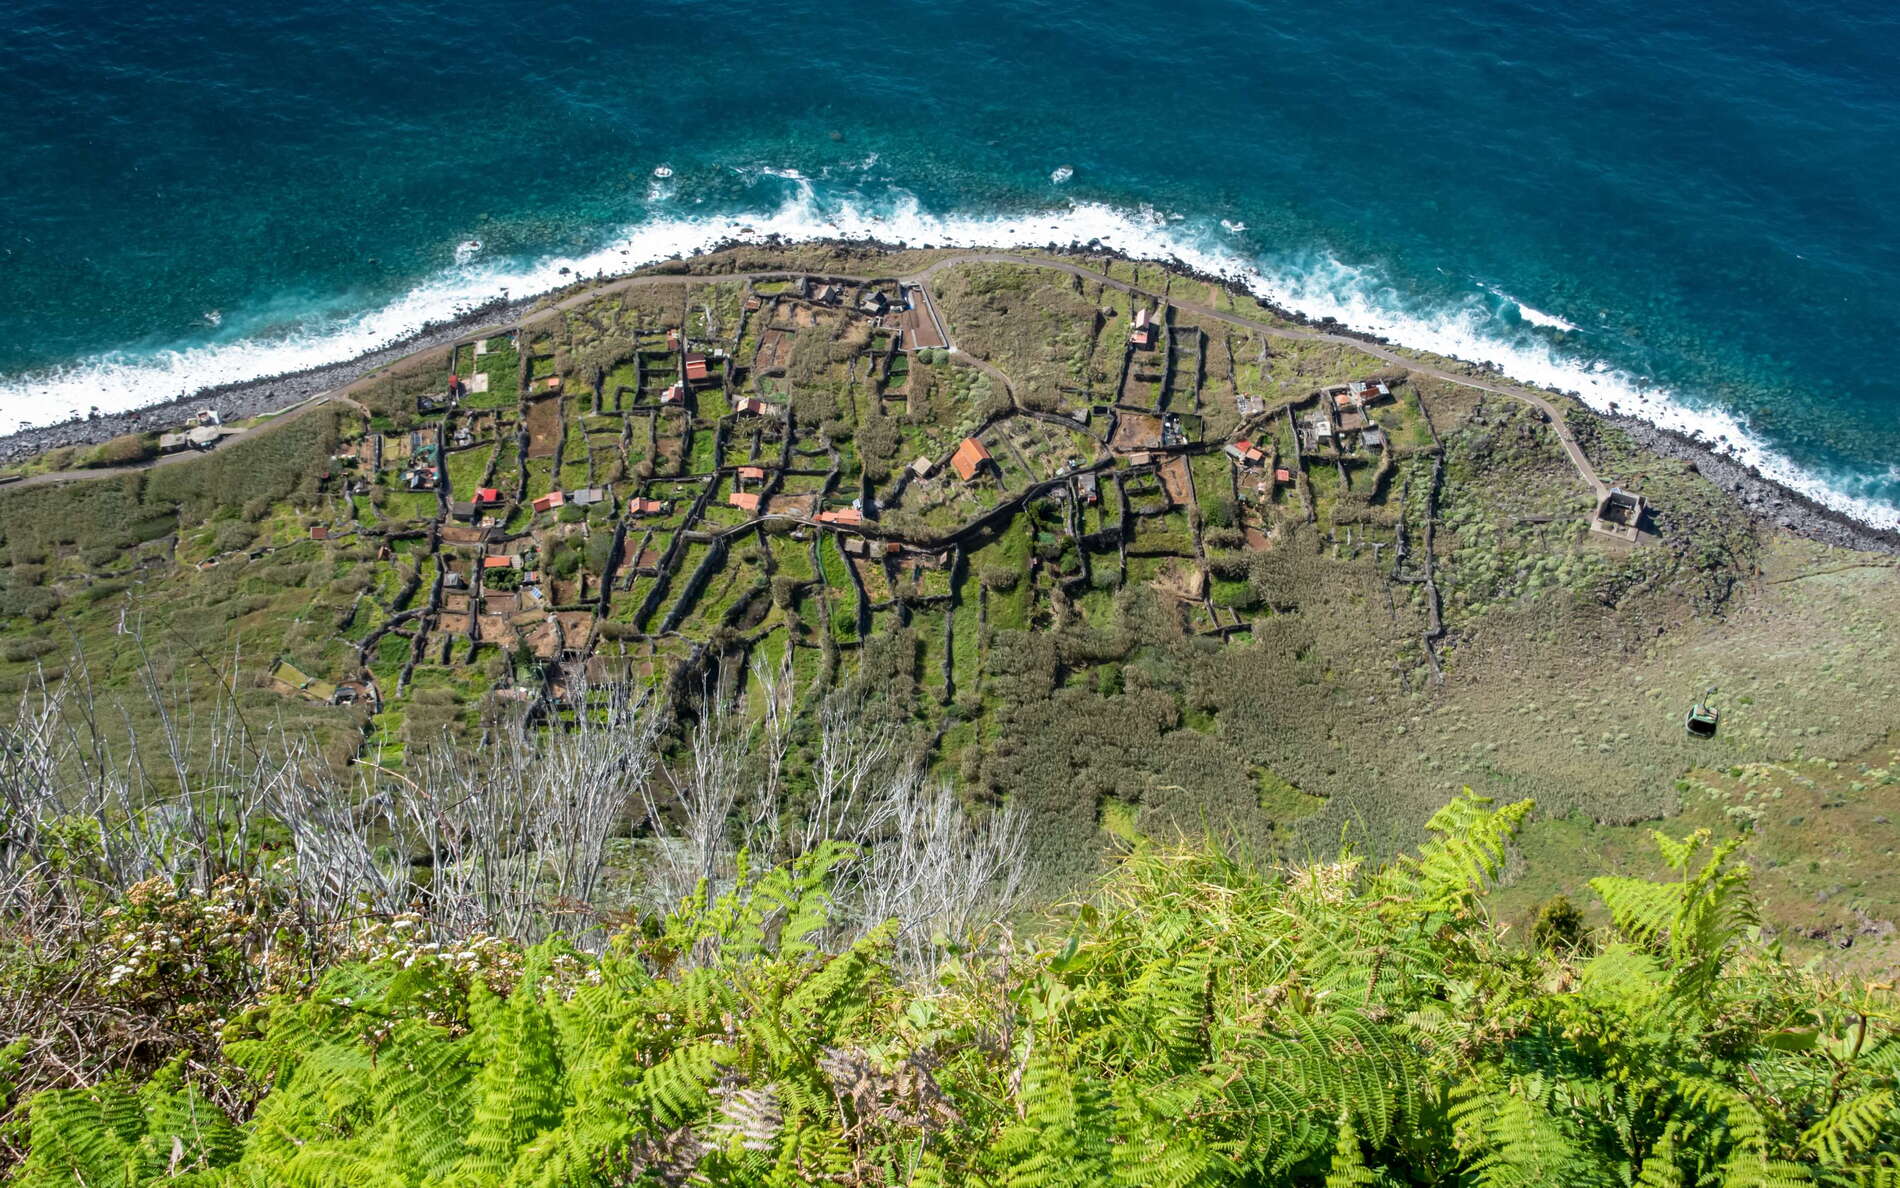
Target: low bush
column 1198, row 1022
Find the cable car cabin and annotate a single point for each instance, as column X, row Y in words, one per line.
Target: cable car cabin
column 1702, row 718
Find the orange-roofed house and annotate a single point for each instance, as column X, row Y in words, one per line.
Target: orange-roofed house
column 550, row 501
column 638, row 506
column 1246, row 453
column 487, row 495
column 744, row 500
column 500, row 562
column 1283, row 475
column 755, row 406
column 970, row 459
column 673, row 395
column 752, row 472
column 554, row 381
column 696, row 369
column 844, row 515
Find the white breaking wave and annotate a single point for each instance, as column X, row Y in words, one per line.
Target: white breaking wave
column 1531, row 313
column 1320, row 287
column 1538, row 317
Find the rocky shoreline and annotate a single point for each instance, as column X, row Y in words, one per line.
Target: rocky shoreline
column 1763, row 498
column 252, row 398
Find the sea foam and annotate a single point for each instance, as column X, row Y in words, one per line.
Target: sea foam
column 1316, row 285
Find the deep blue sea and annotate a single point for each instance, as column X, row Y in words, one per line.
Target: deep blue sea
column 1690, row 208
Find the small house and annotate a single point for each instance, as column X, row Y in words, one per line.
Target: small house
column 1372, row 437
column 753, row 406
column 1141, row 335
column 874, row 303
column 1283, row 476
column 674, row 394
column 204, row 436
column 1088, row 488
column 1369, row 391
column 843, row 516
column 1246, row 453
column 756, row 473
column 639, row 506
column 551, row 501
column 923, row 467
column 696, row 372
column 1620, row 515
column 171, row 443
column 754, row 303
column 508, row 562
column 744, row 501
column 587, row 497
column 672, row 340
column 970, row 459
column 487, row 495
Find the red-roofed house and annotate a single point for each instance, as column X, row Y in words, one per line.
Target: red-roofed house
column 1282, row 475
column 1142, row 335
column 1246, row 453
column 550, row 501
column 554, row 381
column 672, row 340
column 647, row 507
column 500, row 562
column 752, row 472
column 744, row 500
column 970, row 459
column 696, row 368
column 674, row 394
column 487, row 495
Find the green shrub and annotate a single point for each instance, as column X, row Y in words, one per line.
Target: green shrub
column 1199, row 1022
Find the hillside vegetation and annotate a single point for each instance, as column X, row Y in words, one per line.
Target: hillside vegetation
column 1115, row 626
column 1198, row 1021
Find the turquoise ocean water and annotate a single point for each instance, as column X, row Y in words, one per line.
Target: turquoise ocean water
column 1686, row 208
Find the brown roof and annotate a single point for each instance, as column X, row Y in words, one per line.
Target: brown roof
column 744, row 499
column 752, row 472
column 969, row 458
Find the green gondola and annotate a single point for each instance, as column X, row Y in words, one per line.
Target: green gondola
column 1702, row 717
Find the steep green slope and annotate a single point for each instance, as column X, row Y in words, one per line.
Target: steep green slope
column 1113, row 626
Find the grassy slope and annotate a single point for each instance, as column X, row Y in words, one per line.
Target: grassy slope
column 1568, row 662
